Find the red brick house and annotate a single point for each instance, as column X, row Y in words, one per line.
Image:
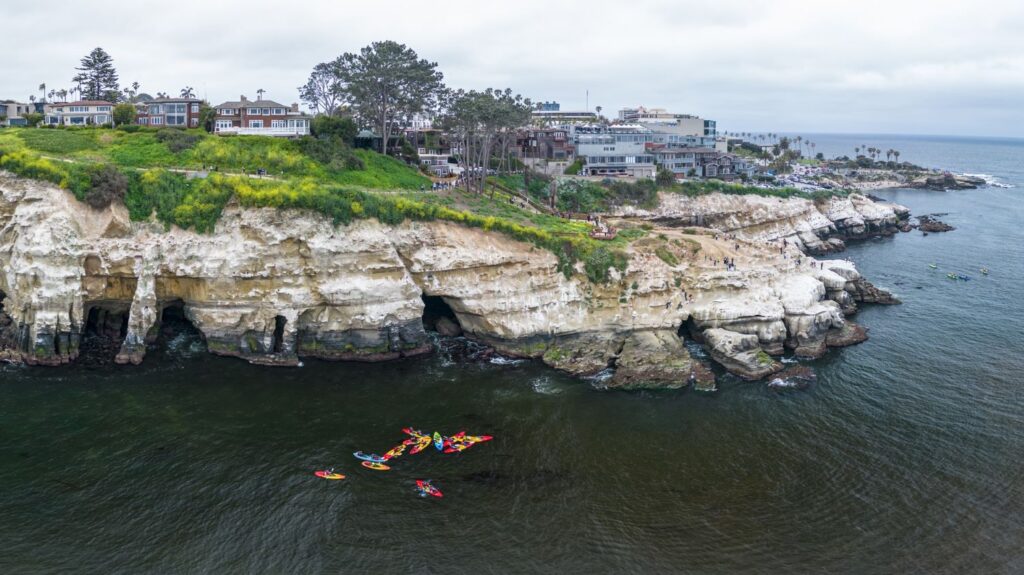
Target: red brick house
column 260, row 117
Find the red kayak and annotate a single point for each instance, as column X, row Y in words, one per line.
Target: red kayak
column 425, row 488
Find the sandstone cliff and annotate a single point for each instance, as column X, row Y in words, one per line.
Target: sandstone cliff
column 271, row 286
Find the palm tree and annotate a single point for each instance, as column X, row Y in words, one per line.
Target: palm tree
column 63, row 95
column 188, row 92
column 856, row 152
column 52, row 94
column 598, row 108
column 32, row 98
column 259, row 94
column 42, row 89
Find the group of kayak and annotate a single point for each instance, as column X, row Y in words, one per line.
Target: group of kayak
column 416, row 443
column 956, row 276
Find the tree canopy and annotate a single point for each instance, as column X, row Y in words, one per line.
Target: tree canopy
column 479, row 121
column 384, row 84
column 97, row 77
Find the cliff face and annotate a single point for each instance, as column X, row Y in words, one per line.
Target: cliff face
column 270, row 286
column 815, row 227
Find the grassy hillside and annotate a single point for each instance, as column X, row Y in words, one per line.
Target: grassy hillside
column 146, row 171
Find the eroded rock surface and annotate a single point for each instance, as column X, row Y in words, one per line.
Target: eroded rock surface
column 272, row 286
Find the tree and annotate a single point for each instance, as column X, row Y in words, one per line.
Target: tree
column 386, row 82
column 63, row 95
column 259, row 93
column 477, row 120
column 97, row 77
column 335, row 127
column 323, row 91
column 42, row 90
column 124, row 114
column 896, row 155
column 664, row 178
column 207, row 116
column 188, row 92
column 33, row 119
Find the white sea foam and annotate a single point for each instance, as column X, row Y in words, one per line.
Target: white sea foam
column 501, row 360
column 991, row 180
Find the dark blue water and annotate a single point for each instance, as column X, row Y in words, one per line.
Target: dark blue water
column 906, row 455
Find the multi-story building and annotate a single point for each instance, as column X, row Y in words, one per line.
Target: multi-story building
column 80, row 113
column 615, row 151
column 559, row 117
column 172, row 112
column 13, row 113
column 679, row 124
column 433, row 148
column 260, row 117
column 546, row 143
column 701, row 162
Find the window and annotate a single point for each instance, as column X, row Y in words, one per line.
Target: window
column 195, row 108
column 156, row 120
column 220, row 124
column 103, row 109
column 195, row 122
column 266, row 111
column 278, row 124
column 144, row 121
column 254, row 112
column 255, row 123
column 77, row 120
column 175, row 114
column 278, row 111
column 154, row 109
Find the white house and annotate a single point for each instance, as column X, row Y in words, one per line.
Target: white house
column 80, row 113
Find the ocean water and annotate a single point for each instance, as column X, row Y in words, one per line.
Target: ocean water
column 905, row 456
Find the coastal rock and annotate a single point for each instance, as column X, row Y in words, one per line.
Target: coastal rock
column 948, row 181
column 740, row 354
column 848, row 334
column 805, row 223
column 271, row 286
column 796, row 377
column 931, row 224
column 447, row 327
column 652, row 360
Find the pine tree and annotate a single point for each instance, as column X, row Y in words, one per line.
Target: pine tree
column 97, row 77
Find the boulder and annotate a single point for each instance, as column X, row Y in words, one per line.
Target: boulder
column 849, row 334
column 447, row 327
column 652, row 360
column 740, row 354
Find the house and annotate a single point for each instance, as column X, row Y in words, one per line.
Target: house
column 172, row 112
column 701, row 162
column 80, row 113
column 433, row 148
column 13, row 113
column 547, row 144
column 555, row 117
column 679, row 124
column 615, row 151
column 261, row 118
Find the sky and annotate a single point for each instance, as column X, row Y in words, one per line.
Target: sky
column 883, row 67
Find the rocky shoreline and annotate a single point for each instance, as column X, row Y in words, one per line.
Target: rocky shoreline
column 273, row 286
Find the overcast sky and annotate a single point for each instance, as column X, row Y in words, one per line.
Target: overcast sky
column 865, row 66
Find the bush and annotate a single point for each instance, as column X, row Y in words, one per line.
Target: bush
column 331, row 151
column 664, row 178
column 334, row 127
column 129, row 128
column 574, row 168
column 124, row 114
column 178, row 140
column 107, row 185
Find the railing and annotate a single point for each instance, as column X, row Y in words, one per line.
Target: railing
column 296, row 131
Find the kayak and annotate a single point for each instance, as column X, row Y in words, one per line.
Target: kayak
column 425, row 488
column 438, row 441
column 933, row 266
column 375, row 466
column 395, row 451
column 371, row 457
column 457, row 447
column 413, row 432
column 421, row 444
column 984, row 271
column 328, row 475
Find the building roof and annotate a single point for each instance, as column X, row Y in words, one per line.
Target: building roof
column 169, row 100
column 685, row 151
column 84, row 103
column 252, row 104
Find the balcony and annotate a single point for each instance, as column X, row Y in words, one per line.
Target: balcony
column 290, row 132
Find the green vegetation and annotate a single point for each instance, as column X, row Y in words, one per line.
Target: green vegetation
column 574, row 168
column 100, row 166
column 666, row 256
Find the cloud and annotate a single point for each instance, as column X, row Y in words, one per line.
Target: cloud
column 872, row 66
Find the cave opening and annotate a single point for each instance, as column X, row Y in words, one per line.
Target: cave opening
column 439, row 316
column 106, row 325
column 175, row 325
column 278, row 342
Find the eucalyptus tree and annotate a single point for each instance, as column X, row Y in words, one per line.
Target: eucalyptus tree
column 324, row 91
column 480, row 121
